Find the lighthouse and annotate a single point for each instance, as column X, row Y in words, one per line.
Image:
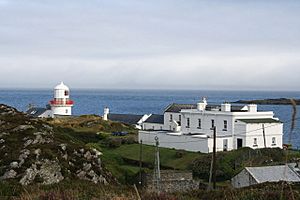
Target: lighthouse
column 61, row 105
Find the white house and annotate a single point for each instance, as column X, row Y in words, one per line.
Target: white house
column 130, row 119
column 256, row 175
column 189, row 127
column 61, row 105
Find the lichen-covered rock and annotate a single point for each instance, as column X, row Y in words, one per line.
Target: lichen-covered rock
column 34, row 152
column 14, row 165
column 9, row 175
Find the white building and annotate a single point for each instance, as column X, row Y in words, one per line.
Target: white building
column 129, row 119
column 256, row 175
column 61, row 105
column 189, row 127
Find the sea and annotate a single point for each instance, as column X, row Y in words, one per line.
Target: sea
column 154, row 101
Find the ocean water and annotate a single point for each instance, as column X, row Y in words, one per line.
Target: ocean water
column 153, row 101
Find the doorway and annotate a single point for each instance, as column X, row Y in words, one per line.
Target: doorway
column 239, row 143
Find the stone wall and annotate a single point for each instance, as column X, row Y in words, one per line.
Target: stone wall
column 171, row 181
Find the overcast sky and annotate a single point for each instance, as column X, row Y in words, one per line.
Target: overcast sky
column 157, row 44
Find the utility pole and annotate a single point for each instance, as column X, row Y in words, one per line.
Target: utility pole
column 213, row 169
column 214, row 157
column 141, row 162
column 264, row 135
column 157, row 167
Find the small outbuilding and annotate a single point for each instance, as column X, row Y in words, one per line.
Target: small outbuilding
column 256, row 175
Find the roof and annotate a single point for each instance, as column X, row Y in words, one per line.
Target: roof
column 125, row 118
column 176, row 108
column 257, row 121
column 36, row 112
column 61, row 86
column 273, row 174
column 156, row 119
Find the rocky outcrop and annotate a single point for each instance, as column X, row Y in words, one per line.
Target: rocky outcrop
column 36, row 152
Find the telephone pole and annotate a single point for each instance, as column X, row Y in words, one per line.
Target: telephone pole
column 141, row 162
column 213, row 168
column 157, row 167
column 214, row 157
column 264, row 135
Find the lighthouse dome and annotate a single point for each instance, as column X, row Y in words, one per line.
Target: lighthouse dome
column 61, row 86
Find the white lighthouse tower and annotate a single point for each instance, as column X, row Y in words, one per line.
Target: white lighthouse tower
column 61, row 105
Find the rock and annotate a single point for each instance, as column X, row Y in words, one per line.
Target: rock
column 38, row 140
column 88, row 155
column 28, row 142
column 63, row 147
column 65, row 156
column 81, row 151
column 2, row 141
column 23, row 128
column 9, row 175
column 14, row 165
column 50, row 172
column 37, row 152
column 29, row 176
column 97, row 153
column 87, row 167
column 4, row 134
column 81, row 175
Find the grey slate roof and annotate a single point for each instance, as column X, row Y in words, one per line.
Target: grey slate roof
column 35, row 112
column 257, row 121
column 176, row 108
column 156, row 119
column 125, row 118
column 273, row 174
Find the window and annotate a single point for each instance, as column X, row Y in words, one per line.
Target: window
column 66, row 110
column 273, row 141
column 161, row 128
column 188, row 122
column 225, row 125
column 212, row 123
column 199, row 124
column 171, row 117
column 66, row 92
column 153, row 127
column 180, row 118
column 255, row 142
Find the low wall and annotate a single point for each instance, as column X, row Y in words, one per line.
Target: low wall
column 181, row 142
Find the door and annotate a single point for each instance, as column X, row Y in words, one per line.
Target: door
column 239, row 143
column 225, row 144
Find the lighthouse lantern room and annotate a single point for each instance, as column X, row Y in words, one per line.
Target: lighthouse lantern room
column 61, row 105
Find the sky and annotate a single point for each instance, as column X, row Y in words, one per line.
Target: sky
column 157, row 44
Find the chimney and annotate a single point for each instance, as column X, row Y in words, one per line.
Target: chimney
column 225, row 107
column 201, row 106
column 252, row 108
column 105, row 113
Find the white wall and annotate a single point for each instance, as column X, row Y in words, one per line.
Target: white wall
column 206, row 123
column 152, row 126
column 168, row 125
column 183, row 142
column 61, row 110
column 243, row 179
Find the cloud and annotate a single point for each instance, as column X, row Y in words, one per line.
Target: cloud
column 157, row 44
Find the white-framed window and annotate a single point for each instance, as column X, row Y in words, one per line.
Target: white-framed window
column 199, row 123
column 225, row 125
column 273, row 141
column 254, row 142
column 171, row 117
column 212, row 123
column 188, row 122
